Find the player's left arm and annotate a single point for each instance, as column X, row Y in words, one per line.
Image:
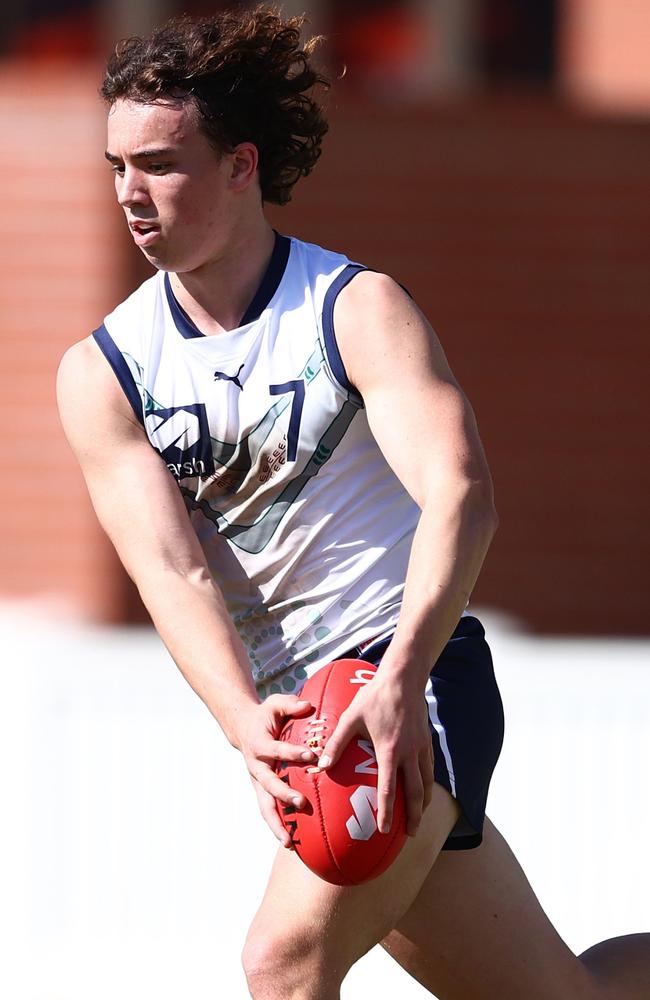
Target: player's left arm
column 426, row 429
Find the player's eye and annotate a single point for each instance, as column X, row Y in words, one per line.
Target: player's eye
column 158, row 168
column 117, row 168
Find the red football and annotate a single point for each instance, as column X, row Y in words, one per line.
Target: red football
column 337, row 835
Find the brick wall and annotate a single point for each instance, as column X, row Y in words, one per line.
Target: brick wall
column 522, row 230
column 58, row 276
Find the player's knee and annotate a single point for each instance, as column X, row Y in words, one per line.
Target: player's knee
column 280, row 964
column 267, row 958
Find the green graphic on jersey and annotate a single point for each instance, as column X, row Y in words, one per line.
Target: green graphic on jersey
column 148, row 402
column 254, row 630
column 254, row 537
column 242, row 456
column 238, row 458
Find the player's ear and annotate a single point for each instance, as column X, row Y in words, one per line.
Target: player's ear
column 245, row 160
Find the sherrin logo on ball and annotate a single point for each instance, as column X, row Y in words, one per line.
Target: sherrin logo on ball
column 336, row 836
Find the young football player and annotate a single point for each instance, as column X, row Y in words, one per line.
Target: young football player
column 289, row 471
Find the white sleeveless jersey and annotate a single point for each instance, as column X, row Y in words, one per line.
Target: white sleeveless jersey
column 305, row 528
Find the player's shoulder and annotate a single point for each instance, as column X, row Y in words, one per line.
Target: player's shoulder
column 78, row 363
column 83, row 375
column 83, row 371
column 380, row 330
column 140, row 303
column 317, row 258
column 373, row 307
column 85, row 384
column 373, row 292
column 369, row 291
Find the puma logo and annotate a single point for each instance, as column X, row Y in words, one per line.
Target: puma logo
column 221, row 376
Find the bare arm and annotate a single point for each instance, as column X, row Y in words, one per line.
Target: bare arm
column 142, row 511
column 426, row 429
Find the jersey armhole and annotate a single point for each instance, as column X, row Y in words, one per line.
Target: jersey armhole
column 329, row 336
column 123, row 373
column 332, row 352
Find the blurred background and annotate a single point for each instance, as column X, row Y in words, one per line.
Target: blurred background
column 494, row 157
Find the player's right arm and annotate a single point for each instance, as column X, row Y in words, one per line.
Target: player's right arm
column 141, row 509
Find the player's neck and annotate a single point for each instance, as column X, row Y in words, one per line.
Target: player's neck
column 216, row 296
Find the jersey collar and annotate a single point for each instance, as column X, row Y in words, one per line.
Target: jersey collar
column 267, row 289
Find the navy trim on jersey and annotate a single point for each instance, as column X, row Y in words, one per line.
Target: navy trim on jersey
column 112, row 353
column 331, row 347
column 270, row 281
column 184, row 324
column 267, row 289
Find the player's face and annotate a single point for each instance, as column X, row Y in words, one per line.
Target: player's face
column 172, row 184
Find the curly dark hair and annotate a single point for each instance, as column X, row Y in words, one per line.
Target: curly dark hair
column 247, row 73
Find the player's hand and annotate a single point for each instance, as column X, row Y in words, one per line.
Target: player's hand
column 261, row 747
column 392, row 714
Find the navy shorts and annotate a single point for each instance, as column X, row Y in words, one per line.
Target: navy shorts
column 466, row 722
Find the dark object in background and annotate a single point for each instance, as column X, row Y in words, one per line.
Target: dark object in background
column 517, row 41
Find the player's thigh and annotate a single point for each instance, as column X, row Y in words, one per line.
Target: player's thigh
column 476, row 931
column 302, row 918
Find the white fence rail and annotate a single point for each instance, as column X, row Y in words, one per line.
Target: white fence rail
column 132, row 856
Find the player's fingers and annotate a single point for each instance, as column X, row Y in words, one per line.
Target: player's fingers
column 274, row 786
column 386, row 784
column 346, row 728
column 283, row 706
column 414, row 795
column 270, row 813
column 274, row 750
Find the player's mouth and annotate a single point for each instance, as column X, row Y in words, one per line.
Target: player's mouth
column 144, row 233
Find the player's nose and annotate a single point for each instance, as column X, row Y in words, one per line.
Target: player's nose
column 132, row 189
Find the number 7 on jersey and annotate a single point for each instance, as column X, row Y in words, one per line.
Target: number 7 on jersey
column 297, row 387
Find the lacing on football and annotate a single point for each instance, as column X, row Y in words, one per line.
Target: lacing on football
column 315, row 731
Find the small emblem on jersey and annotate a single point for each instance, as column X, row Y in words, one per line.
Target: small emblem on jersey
column 272, row 464
column 182, row 436
column 222, row 377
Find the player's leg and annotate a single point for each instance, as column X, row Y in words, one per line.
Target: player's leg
column 307, row 933
column 476, row 931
